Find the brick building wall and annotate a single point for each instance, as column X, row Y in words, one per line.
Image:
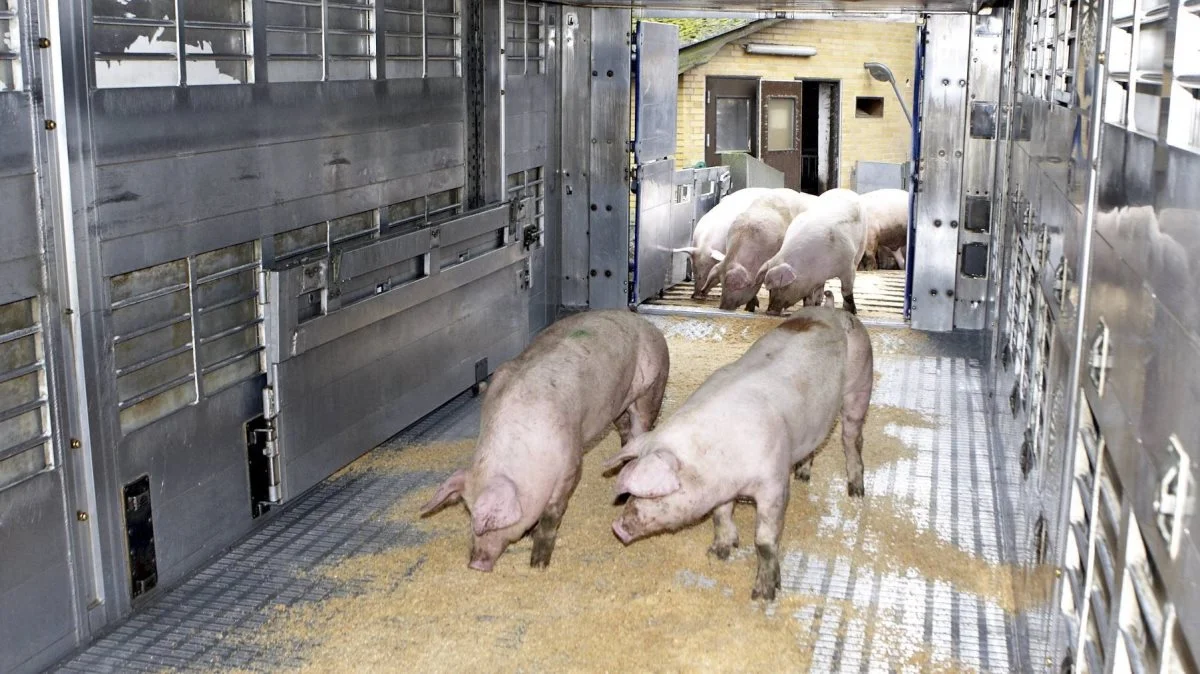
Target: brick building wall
column 842, row 48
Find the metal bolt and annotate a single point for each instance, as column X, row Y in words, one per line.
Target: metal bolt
column 954, row 224
column 933, row 292
column 51, row 125
column 937, row 223
column 44, row 42
column 81, row 516
column 1058, row 573
column 958, row 154
column 945, row 81
column 75, row 443
column 949, row 293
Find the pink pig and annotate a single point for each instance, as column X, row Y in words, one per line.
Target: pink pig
column 773, row 407
column 541, row 409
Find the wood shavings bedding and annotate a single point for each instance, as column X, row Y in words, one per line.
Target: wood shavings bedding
column 659, row 605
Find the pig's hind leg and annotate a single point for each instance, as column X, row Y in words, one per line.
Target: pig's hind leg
column 803, row 471
column 725, row 535
column 770, row 505
column 641, row 414
column 856, row 399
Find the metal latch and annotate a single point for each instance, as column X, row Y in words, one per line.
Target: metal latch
column 1099, row 360
column 270, row 445
column 1172, row 496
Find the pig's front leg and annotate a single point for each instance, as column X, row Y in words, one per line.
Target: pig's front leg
column 771, row 506
column 545, row 532
column 752, row 305
column 725, row 535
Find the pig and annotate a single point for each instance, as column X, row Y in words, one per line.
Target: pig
column 756, row 235
column 712, row 232
column 710, row 238
column 743, row 433
column 540, row 411
column 824, row 242
column 885, row 214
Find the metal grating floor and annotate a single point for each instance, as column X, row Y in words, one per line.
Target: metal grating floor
column 879, row 295
column 952, row 481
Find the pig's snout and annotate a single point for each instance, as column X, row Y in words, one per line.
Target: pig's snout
column 623, row 535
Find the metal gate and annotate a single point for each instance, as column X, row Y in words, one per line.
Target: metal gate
column 365, row 340
column 655, row 65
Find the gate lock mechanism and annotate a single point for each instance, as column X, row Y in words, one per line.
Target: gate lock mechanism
column 1171, row 501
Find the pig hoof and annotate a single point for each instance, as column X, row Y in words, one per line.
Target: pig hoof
column 856, row 488
column 803, row 473
column 721, row 552
column 763, row 591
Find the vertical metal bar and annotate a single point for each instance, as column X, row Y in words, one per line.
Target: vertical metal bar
column 181, row 42
column 424, row 40
column 324, row 40
column 379, row 18
column 191, row 277
column 258, row 31
column 501, row 43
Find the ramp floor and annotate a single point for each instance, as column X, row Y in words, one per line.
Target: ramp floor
column 878, row 294
column 914, row 577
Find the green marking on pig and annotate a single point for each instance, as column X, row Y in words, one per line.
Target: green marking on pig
column 580, row 333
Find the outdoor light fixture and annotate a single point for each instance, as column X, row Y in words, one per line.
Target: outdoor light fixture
column 884, row 74
column 780, row 50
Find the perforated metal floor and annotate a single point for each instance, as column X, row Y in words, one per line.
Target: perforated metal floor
column 952, row 482
column 878, row 294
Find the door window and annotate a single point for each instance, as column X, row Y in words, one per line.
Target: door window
column 733, row 124
column 781, row 124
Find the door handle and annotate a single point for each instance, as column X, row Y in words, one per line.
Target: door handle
column 1171, row 501
column 1099, row 360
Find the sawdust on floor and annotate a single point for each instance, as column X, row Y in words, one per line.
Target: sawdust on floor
column 660, row 604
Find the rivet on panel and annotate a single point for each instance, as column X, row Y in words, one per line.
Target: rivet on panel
column 945, row 81
column 51, row 125
column 933, row 292
column 937, row 223
column 954, row 224
column 75, row 443
column 44, row 42
column 949, row 293
column 81, row 516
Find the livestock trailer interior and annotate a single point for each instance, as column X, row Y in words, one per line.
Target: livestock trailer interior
column 247, row 241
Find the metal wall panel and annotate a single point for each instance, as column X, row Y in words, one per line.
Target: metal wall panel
column 575, row 126
column 657, row 58
column 43, row 539
column 655, row 229
column 654, row 152
column 179, row 196
column 939, row 200
column 608, row 163
column 979, row 162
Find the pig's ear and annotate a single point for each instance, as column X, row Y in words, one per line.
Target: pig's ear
column 687, row 249
column 736, row 277
column 651, row 476
column 497, row 507
column 717, row 255
column 450, row 491
column 779, row 276
column 631, row 450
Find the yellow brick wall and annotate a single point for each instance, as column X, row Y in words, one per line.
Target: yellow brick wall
column 842, row 48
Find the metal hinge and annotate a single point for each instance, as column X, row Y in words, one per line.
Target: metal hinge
column 270, row 446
